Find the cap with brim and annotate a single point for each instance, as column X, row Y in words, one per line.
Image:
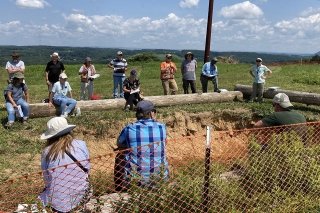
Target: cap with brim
column 259, row 60
column 55, row 54
column 133, row 72
column 188, row 53
column 282, row 99
column 18, row 75
column 145, row 106
column 63, row 76
column 87, row 59
column 214, row 59
column 168, row 56
column 119, row 53
column 57, row 126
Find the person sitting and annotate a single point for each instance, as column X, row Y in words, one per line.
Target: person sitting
column 65, row 167
column 14, row 94
column 146, row 159
column 131, row 88
column 59, row 96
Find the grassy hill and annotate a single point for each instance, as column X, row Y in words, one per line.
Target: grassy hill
column 75, row 55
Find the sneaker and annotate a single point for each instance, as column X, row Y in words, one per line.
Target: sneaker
column 127, row 108
column 64, row 115
column 9, row 124
column 24, row 122
column 78, row 111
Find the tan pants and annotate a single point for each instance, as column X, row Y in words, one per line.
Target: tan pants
column 168, row 85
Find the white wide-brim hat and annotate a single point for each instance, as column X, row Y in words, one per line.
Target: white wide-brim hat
column 57, row 126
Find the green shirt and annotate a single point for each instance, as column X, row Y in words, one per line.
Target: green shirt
column 284, row 118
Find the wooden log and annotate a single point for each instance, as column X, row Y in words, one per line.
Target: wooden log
column 42, row 109
column 295, row 96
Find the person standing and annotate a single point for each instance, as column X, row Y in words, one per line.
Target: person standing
column 87, row 70
column 14, row 94
column 259, row 72
column 168, row 69
column 146, row 161
column 53, row 69
column 61, row 96
column 65, row 166
column 188, row 70
column 14, row 66
column 210, row 73
column 119, row 66
column 283, row 113
column 131, row 88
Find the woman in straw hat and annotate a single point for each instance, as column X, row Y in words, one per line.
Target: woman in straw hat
column 65, row 166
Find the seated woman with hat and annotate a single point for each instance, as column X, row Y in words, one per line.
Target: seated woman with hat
column 65, row 167
column 61, row 96
column 131, row 88
column 17, row 98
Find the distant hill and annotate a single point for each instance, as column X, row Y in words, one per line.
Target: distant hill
column 41, row 54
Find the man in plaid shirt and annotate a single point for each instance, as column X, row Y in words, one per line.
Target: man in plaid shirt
column 145, row 157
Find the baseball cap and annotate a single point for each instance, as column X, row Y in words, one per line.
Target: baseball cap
column 133, row 72
column 145, row 106
column 168, row 56
column 282, row 99
column 119, row 53
column 259, row 60
column 87, row 59
column 214, row 59
column 63, row 76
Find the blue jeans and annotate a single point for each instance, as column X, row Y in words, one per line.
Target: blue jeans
column 66, row 104
column 11, row 111
column 118, row 81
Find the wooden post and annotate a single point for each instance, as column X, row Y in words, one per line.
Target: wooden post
column 207, row 161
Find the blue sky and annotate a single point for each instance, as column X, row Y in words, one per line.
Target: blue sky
column 286, row 26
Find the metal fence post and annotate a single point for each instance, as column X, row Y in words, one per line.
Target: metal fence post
column 206, row 183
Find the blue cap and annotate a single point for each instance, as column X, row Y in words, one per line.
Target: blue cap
column 133, row 72
column 145, row 106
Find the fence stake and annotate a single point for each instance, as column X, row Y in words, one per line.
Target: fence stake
column 206, row 183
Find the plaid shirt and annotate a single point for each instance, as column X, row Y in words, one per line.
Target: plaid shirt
column 147, row 157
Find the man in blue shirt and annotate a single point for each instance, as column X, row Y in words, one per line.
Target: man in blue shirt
column 209, row 73
column 144, row 159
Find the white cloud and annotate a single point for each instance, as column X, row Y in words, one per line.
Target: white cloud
column 244, row 10
column 188, row 3
column 31, row 3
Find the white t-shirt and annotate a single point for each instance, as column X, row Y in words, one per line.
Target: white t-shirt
column 15, row 66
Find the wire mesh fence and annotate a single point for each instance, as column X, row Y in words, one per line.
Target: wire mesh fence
column 253, row 170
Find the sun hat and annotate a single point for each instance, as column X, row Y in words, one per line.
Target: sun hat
column 15, row 54
column 259, row 60
column 63, row 76
column 87, row 59
column 18, row 75
column 119, row 53
column 282, row 99
column 54, row 54
column 145, row 106
column 57, row 126
column 133, row 72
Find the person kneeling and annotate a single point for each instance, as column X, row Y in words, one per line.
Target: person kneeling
column 59, row 96
column 14, row 99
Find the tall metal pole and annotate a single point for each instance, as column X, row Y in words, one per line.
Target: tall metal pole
column 208, row 36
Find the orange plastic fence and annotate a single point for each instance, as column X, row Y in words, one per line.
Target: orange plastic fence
column 253, row 170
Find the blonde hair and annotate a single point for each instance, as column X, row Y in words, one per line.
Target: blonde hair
column 58, row 146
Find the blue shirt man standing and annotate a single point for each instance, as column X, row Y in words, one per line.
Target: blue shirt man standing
column 145, row 156
column 209, row 73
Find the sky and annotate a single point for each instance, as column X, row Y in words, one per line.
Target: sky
column 277, row 26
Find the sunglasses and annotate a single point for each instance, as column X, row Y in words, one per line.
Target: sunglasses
column 258, row 61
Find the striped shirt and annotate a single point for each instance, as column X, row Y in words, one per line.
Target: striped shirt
column 119, row 66
column 147, row 159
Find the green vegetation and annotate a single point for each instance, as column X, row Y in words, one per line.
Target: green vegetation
column 20, row 146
